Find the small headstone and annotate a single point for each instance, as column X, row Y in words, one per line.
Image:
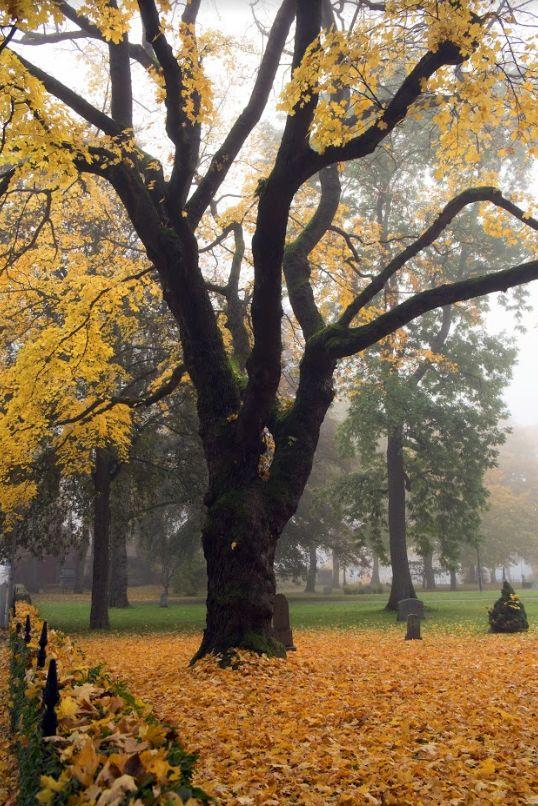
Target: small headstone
column 163, row 601
column 327, row 590
column 413, row 628
column 407, row 607
column 281, row 621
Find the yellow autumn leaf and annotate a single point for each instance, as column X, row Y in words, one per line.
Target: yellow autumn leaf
column 486, row 768
column 155, row 735
column 85, row 763
column 67, row 708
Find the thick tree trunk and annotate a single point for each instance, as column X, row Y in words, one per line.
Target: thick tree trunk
column 102, row 479
column 239, row 546
column 336, row 570
column 402, row 584
column 118, row 584
column 374, row 579
column 80, row 562
column 453, row 580
column 429, row 574
column 312, row 570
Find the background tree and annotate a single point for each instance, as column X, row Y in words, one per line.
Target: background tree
column 508, row 525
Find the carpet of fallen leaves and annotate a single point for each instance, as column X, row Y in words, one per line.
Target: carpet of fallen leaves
column 351, row 717
column 8, row 764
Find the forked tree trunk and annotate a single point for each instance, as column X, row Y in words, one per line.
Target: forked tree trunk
column 429, row 574
column 102, row 479
column 312, row 570
column 117, row 596
column 453, row 580
column 402, row 584
column 239, row 546
column 336, row 570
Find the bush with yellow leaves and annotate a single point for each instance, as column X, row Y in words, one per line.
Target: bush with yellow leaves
column 109, row 749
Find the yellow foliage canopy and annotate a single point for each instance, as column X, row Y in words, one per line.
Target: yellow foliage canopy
column 71, row 290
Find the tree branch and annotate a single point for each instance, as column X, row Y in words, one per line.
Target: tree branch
column 183, row 132
column 264, row 363
column 136, row 52
column 5, row 180
column 340, row 342
column 75, row 102
column 7, row 38
column 436, row 345
column 296, row 264
column 249, row 117
column 449, row 212
column 121, row 105
column 101, row 405
column 396, row 110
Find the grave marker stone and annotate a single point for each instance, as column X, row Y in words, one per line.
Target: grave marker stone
column 413, row 628
column 281, row 621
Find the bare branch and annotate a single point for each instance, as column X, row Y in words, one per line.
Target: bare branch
column 75, row 102
column 101, row 405
column 339, row 342
column 136, row 52
column 249, row 117
column 454, row 206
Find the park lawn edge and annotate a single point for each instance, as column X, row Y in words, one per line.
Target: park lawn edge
column 107, row 741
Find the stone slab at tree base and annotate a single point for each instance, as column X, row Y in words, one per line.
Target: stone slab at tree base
column 413, row 628
column 281, row 622
column 407, row 607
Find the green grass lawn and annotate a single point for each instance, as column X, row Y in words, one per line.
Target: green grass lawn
column 466, row 610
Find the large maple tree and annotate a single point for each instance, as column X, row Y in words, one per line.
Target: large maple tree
column 359, row 69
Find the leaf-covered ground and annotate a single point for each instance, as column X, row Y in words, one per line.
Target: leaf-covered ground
column 351, row 717
column 8, row 775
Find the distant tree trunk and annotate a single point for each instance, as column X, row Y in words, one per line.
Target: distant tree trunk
column 429, row 575
column 453, row 580
column 493, row 574
column 336, row 570
column 312, row 570
column 80, row 561
column 344, row 580
column 402, row 584
column 117, row 596
column 102, row 479
column 471, row 574
column 374, row 579
column 478, row 568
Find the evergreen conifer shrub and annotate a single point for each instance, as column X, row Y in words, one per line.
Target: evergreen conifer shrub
column 508, row 613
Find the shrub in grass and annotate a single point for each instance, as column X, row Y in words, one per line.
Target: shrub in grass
column 508, row 613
